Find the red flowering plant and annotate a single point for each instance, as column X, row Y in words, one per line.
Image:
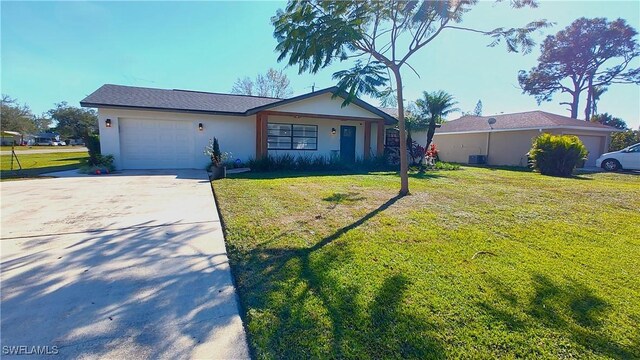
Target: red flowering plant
column 432, row 155
column 416, row 152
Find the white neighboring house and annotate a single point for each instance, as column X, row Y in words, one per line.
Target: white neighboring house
column 146, row 128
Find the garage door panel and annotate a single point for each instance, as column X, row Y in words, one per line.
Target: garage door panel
column 156, row 144
column 594, row 147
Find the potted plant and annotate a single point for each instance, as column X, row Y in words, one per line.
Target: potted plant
column 217, row 168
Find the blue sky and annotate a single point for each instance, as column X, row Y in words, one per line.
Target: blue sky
column 62, row 51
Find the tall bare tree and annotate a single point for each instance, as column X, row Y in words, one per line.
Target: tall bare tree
column 586, row 55
column 274, row 83
column 384, row 35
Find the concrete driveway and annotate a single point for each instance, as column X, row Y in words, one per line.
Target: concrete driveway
column 119, row 266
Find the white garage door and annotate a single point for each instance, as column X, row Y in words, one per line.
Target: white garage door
column 156, row 144
column 594, row 147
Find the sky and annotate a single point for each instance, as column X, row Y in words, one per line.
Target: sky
column 62, row 51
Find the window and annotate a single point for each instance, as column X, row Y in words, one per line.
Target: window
column 392, row 138
column 292, row 137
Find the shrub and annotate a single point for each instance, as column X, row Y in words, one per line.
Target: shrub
column 282, row 162
column 621, row 140
column 93, row 145
column 416, row 152
column 100, row 164
column 218, row 158
column 557, row 155
column 441, row 165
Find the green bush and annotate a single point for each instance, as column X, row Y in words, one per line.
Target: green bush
column 557, row 155
column 93, row 145
column 621, row 140
column 102, row 164
column 306, row 162
column 441, row 165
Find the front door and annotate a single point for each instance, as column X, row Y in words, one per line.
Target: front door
column 348, row 143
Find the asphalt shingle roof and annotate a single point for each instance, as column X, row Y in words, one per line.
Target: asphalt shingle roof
column 524, row 120
column 110, row 95
column 139, row 97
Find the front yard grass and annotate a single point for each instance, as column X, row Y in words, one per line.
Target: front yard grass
column 35, row 164
column 476, row 263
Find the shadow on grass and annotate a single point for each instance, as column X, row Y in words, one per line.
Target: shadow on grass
column 500, row 167
column 577, row 176
column 571, row 310
column 341, row 198
column 27, row 173
column 269, row 175
column 629, row 172
column 431, row 174
column 298, row 306
column 70, row 159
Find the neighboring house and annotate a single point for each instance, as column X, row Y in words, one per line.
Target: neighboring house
column 46, row 138
column 145, row 128
column 8, row 140
column 509, row 139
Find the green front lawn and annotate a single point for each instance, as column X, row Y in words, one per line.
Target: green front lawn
column 36, row 164
column 476, row 263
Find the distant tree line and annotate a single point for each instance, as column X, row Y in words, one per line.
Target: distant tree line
column 69, row 121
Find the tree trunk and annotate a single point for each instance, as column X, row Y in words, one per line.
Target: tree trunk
column 574, row 104
column 430, row 132
column 590, row 96
column 404, row 167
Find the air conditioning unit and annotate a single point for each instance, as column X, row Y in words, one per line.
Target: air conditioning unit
column 477, row 159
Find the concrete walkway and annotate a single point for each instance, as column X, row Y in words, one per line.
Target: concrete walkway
column 44, row 150
column 120, row 266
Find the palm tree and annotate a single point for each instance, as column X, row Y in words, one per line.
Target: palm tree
column 435, row 106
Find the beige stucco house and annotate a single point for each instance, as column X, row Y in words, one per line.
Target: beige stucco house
column 508, row 140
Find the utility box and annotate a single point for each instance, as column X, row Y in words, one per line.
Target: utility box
column 477, row 159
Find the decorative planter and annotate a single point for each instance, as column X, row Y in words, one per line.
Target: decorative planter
column 218, row 172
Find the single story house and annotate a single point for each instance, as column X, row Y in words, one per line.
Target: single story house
column 507, row 139
column 46, row 138
column 147, row 128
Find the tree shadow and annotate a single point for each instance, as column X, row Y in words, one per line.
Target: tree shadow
column 84, row 158
column 36, row 172
column 571, row 310
column 143, row 292
column 501, row 167
column 426, row 175
column 310, row 174
column 301, row 289
column 342, row 198
column 270, row 175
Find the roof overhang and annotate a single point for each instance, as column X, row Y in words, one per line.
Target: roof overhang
column 150, row 108
column 388, row 119
column 539, row 128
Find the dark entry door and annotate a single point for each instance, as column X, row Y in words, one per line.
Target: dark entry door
column 348, row 143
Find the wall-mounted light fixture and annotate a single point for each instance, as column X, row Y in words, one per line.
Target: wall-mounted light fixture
column 107, row 123
column 333, row 131
column 200, row 127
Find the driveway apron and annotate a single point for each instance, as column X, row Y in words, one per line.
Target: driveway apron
column 131, row 265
